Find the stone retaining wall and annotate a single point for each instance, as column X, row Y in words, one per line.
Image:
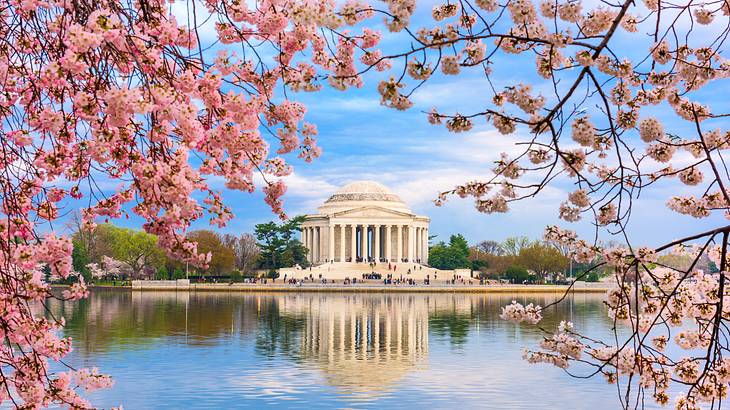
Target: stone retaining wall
column 315, row 287
column 179, row 284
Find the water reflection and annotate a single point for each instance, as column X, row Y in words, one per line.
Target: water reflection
column 362, row 344
column 331, row 350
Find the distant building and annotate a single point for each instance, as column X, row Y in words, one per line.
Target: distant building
column 365, row 222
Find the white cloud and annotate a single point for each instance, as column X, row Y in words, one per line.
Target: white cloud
column 337, row 105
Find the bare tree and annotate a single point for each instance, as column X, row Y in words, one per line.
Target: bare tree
column 491, row 247
column 512, row 246
column 246, row 250
column 95, row 242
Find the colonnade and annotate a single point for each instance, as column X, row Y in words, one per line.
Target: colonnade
column 366, row 242
column 350, row 329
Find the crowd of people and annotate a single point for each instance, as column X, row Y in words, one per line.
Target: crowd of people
column 389, row 279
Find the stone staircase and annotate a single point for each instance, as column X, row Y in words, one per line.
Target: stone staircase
column 341, row 270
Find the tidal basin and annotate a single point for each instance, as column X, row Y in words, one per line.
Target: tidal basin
column 325, row 350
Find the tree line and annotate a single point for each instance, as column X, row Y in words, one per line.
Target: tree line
column 519, row 259
column 111, row 252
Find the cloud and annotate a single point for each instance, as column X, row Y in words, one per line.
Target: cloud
column 341, row 106
column 309, row 187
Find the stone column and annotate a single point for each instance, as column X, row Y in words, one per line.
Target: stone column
column 331, row 237
column 424, row 258
column 419, row 248
column 315, row 244
column 399, row 252
column 313, row 241
column 417, row 233
column 416, row 238
column 305, row 241
column 309, row 245
column 372, row 243
column 342, row 243
column 376, row 248
column 410, row 243
column 353, row 244
column 420, row 245
column 387, row 243
column 364, row 242
column 323, row 242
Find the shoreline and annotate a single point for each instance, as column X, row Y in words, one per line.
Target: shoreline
column 362, row 288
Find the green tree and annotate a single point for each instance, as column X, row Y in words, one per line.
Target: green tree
column 135, row 248
column 438, row 256
column 592, row 276
column 278, row 244
column 80, row 258
column 294, row 253
column 478, row 264
column 485, row 256
column 271, row 244
column 542, row 259
column 162, row 274
column 460, row 246
column 455, row 255
column 178, row 273
column 516, row 274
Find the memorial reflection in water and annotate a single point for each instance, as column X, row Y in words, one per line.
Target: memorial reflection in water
column 363, row 343
column 364, row 346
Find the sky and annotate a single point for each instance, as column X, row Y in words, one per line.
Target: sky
column 363, row 140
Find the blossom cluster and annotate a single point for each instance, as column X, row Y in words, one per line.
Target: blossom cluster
column 621, row 141
column 126, row 92
column 630, row 122
column 684, row 302
column 516, row 312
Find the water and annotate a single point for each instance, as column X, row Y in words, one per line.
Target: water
column 244, row 350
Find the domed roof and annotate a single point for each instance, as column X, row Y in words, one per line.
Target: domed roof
column 363, row 193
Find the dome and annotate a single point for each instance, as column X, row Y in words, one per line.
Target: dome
column 363, row 193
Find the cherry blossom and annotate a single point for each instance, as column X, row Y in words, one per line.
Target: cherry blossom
column 517, row 313
column 131, row 93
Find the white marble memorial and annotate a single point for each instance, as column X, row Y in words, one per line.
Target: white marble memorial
column 365, row 222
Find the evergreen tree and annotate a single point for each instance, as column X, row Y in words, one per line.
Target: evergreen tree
column 278, row 244
column 455, row 255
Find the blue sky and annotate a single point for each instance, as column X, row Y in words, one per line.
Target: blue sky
column 363, row 140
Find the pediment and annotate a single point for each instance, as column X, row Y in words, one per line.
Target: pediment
column 374, row 212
